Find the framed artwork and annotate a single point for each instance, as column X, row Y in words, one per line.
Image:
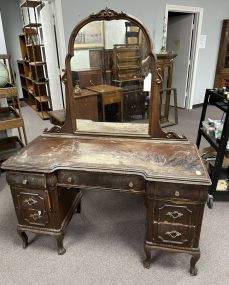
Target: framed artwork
column 90, row 36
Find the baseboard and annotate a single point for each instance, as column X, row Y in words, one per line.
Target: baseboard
column 197, row 105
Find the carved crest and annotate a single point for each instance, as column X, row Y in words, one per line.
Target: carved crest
column 107, row 14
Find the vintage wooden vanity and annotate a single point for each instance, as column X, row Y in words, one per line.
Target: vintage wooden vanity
column 47, row 178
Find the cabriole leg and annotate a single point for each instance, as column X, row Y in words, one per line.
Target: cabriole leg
column 147, row 261
column 59, row 242
column 24, row 238
column 195, row 257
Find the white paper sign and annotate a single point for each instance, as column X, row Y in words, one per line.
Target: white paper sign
column 147, row 82
column 203, row 39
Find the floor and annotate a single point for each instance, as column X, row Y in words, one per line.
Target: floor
column 105, row 242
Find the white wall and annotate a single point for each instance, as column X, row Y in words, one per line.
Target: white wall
column 151, row 13
column 12, row 26
column 2, row 38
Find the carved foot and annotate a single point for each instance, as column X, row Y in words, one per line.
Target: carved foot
column 24, row 238
column 59, row 242
column 193, row 261
column 147, row 261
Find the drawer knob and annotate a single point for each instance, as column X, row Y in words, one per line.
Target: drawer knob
column 25, row 181
column 174, row 214
column 69, row 179
column 30, row 201
column 36, row 216
column 173, row 234
column 177, row 194
column 131, row 184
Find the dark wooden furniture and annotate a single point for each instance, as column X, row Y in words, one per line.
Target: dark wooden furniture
column 86, row 105
column 222, row 69
column 109, row 95
column 165, row 64
column 32, row 67
column 127, row 73
column 163, row 168
column 214, row 98
column 10, row 115
column 157, row 170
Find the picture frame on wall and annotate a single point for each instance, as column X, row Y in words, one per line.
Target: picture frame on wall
column 90, row 36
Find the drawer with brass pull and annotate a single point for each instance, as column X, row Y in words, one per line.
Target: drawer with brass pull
column 174, row 234
column 30, row 200
column 103, row 180
column 179, row 191
column 26, row 180
column 33, row 217
column 174, row 213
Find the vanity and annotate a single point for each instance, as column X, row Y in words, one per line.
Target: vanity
column 48, row 177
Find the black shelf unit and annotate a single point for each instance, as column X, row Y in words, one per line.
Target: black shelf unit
column 220, row 101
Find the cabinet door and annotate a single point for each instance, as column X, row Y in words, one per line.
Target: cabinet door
column 87, row 108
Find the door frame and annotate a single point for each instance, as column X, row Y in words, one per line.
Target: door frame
column 198, row 19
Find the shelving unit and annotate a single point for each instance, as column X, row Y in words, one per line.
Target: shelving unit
column 222, row 70
column 10, row 116
column 32, row 67
column 212, row 97
column 127, row 73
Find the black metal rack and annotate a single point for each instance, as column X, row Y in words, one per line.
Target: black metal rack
column 213, row 97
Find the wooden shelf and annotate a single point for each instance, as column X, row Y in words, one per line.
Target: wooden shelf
column 9, row 119
column 32, row 25
column 8, row 91
column 33, row 72
column 41, row 82
column 34, row 45
column 44, row 115
column 31, row 4
column 42, row 99
column 37, row 63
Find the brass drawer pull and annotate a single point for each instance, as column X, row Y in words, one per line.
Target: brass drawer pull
column 177, row 194
column 174, row 214
column 36, row 216
column 25, row 181
column 30, row 201
column 69, row 179
column 131, row 184
column 173, row 234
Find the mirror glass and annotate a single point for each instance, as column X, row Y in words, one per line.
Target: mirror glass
column 108, row 76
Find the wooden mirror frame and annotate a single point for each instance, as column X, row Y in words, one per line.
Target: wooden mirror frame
column 154, row 130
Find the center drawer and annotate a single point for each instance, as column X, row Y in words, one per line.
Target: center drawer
column 104, row 180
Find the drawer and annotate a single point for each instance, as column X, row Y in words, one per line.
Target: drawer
column 111, row 98
column 177, row 235
column 33, row 218
column 179, row 214
column 28, row 180
column 30, row 200
column 180, row 192
column 102, row 180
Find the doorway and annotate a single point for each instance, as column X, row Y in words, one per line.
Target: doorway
column 183, row 32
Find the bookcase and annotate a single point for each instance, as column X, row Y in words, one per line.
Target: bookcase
column 32, row 66
column 127, row 73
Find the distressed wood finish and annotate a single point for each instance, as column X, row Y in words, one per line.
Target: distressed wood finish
column 169, row 174
column 47, row 176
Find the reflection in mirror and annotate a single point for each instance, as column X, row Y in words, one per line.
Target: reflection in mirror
column 108, row 73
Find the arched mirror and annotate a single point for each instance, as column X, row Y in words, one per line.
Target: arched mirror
column 110, row 68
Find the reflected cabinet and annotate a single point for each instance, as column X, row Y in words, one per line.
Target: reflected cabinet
column 103, row 144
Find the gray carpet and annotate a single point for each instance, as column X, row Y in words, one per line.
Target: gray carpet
column 105, row 242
